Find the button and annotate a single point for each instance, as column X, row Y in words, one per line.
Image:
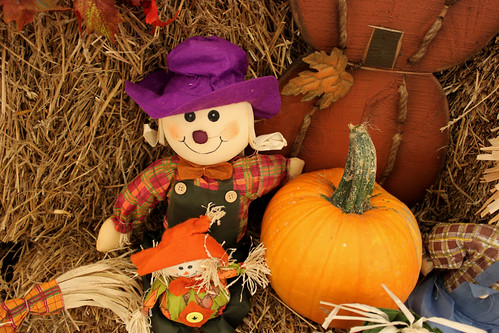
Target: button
column 194, row 317
column 180, row 188
column 231, row 196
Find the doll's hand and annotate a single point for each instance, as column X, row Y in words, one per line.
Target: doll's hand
column 108, row 239
column 295, row 167
column 426, row 265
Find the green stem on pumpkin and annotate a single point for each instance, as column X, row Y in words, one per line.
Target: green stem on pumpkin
column 353, row 194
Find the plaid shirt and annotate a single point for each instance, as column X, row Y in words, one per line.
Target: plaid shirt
column 252, row 177
column 465, row 249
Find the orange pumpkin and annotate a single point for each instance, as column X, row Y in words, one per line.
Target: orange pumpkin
column 335, row 235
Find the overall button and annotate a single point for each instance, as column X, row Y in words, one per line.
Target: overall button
column 231, row 196
column 180, row 188
column 194, row 317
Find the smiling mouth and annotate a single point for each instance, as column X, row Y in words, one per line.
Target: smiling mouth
column 209, row 152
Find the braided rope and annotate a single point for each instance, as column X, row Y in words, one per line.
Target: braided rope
column 342, row 44
column 430, row 34
column 397, row 137
column 342, row 9
column 302, row 133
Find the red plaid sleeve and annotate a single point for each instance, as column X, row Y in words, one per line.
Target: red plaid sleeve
column 138, row 198
column 255, row 176
column 465, row 249
column 259, row 174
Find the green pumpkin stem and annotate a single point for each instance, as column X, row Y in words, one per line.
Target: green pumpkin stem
column 353, row 194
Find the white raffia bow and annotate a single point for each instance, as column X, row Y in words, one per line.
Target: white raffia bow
column 374, row 315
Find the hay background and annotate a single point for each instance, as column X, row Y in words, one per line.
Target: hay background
column 70, row 138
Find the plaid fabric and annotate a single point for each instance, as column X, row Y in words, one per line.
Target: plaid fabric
column 252, row 177
column 44, row 299
column 464, row 249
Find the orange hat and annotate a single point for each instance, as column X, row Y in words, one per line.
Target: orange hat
column 184, row 242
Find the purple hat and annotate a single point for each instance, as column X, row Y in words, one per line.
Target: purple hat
column 204, row 73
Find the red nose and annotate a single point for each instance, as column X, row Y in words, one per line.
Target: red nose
column 200, row 137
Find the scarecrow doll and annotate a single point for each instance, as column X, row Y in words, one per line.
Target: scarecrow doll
column 190, row 271
column 205, row 111
column 464, row 287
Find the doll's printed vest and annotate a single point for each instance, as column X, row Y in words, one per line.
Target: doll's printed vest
column 193, row 309
column 189, row 201
column 474, row 304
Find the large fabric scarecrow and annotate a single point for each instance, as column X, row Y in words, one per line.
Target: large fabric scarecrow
column 206, row 114
column 464, row 286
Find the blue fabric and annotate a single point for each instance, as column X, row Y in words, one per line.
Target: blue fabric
column 430, row 299
column 489, row 276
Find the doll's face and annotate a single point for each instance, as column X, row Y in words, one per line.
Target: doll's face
column 211, row 135
column 186, row 269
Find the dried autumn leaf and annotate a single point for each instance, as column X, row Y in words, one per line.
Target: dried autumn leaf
column 152, row 17
column 330, row 82
column 23, row 11
column 99, row 15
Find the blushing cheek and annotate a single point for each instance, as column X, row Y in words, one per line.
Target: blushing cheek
column 175, row 132
column 232, row 130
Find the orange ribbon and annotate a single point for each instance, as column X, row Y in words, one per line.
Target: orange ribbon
column 188, row 170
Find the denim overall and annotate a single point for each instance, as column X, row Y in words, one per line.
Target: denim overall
column 189, row 201
column 474, row 304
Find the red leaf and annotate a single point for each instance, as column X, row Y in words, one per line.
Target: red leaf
column 151, row 11
column 23, row 11
column 99, row 15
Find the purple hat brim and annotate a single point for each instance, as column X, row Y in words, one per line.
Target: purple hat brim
column 262, row 93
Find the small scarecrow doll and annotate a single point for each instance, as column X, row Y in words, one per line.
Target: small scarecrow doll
column 205, row 111
column 465, row 285
column 190, row 271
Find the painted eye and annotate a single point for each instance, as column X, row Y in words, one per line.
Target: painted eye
column 213, row 115
column 189, row 267
column 190, row 116
column 181, row 268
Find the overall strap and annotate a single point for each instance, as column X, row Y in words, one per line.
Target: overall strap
column 489, row 276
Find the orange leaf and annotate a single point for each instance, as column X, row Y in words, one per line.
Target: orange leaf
column 23, row 11
column 329, row 82
column 99, row 15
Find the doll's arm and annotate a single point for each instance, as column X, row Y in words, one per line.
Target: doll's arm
column 464, row 249
column 135, row 202
column 445, row 246
column 451, row 245
column 263, row 173
column 157, row 289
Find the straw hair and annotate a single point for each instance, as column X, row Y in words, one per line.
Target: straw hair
column 208, row 276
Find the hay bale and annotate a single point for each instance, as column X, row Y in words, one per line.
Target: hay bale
column 472, row 92
column 70, row 138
